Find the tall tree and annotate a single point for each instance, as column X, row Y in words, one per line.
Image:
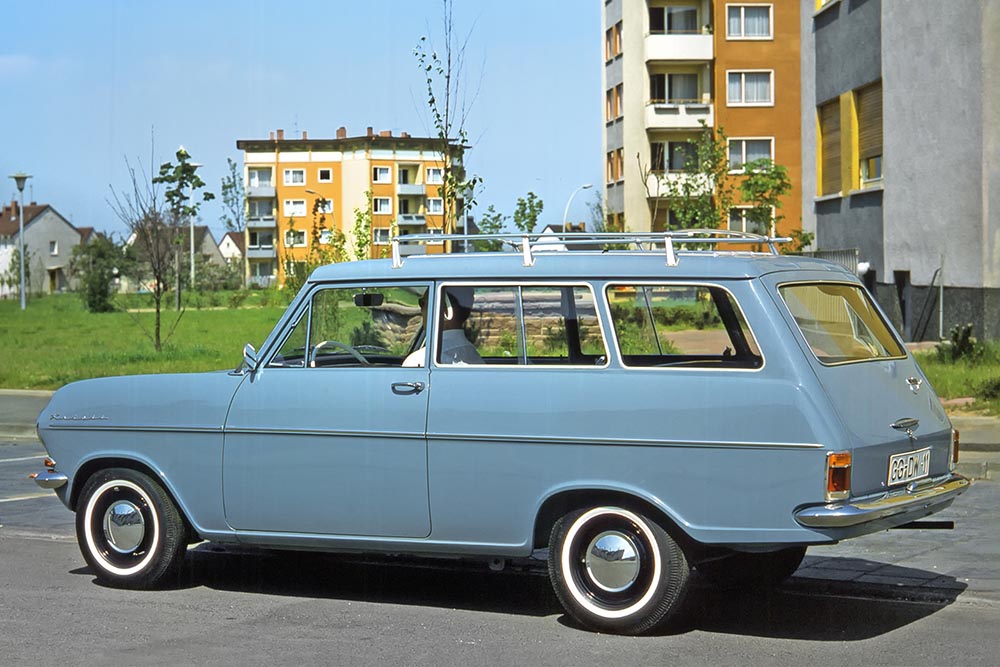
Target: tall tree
column 763, row 187
column 703, row 193
column 527, row 211
column 182, row 180
column 449, row 103
column 234, row 211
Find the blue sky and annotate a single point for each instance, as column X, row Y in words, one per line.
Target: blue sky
column 85, row 83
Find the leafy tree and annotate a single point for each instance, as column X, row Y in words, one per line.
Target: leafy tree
column 183, row 180
column 449, row 106
column 703, row 194
column 363, row 230
column 234, row 200
column 12, row 277
column 97, row 264
column 763, row 187
column 490, row 222
column 527, row 211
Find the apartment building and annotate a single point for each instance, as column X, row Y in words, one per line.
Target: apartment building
column 671, row 65
column 290, row 182
column 902, row 153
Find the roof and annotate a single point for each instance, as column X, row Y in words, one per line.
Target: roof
column 235, row 237
column 577, row 265
column 342, row 144
column 8, row 218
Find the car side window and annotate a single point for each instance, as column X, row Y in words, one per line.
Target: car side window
column 682, row 326
column 521, row 325
column 365, row 325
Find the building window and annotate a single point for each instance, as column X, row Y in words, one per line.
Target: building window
column 609, row 105
column 869, row 110
column 325, row 176
column 435, row 205
column 53, row 247
column 295, row 177
column 295, row 238
column 435, row 175
column 258, row 177
column 750, row 88
column 614, row 165
column 262, row 269
column 829, row 157
column 261, row 240
column 742, row 151
column 741, row 219
column 678, row 20
column 325, row 236
column 673, row 88
column 435, row 231
column 382, row 205
column 613, row 41
column 381, row 175
column 619, row 110
column 261, row 208
column 749, row 21
column 380, row 235
column 295, row 208
column 324, row 205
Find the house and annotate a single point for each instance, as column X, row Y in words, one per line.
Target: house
column 901, row 151
column 205, row 249
column 49, row 239
column 231, row 247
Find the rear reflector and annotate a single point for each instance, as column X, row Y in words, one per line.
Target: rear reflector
column 838, row 475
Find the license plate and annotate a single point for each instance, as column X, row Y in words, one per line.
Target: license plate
column 909, row 466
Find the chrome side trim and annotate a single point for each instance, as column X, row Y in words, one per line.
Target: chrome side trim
column 215, row 430
column 49, row 480
column 626, row 442
column 924, row 496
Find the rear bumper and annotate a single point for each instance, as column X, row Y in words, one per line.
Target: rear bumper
column 898, row 506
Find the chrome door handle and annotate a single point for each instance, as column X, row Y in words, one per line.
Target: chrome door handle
column 407, row 388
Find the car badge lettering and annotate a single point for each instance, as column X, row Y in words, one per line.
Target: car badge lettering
column 76, row 418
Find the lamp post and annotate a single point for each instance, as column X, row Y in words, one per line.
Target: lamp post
column 20, row 178
column 585, row 186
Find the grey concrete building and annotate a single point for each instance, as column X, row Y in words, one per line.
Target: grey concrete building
column 901, row 153
column 49, row 239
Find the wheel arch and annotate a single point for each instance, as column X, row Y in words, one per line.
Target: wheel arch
column 561, row 502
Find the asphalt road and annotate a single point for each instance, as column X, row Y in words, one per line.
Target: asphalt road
column 249, row 608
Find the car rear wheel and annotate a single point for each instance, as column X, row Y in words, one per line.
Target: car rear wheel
column 757, row 570
column 130, row 531
column 616, row 570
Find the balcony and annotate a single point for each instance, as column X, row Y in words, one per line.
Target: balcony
column 260, row 223
column 659, row 183
column 686, row 47
column 260, row 190
column 680, row 114
column 411, row 189
column 261, row 252
column 411, row 220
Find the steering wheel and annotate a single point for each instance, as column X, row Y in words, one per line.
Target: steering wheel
column 341, row 346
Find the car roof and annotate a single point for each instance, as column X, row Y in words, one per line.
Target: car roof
column 582, row 265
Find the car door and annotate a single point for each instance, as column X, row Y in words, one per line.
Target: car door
column 327, row 436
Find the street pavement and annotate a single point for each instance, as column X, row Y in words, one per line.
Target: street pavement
column 913, row 564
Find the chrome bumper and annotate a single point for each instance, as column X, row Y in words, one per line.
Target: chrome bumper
column 49, row 479
column 916, row 499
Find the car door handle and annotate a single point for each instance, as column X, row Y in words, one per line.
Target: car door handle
column 407, row 388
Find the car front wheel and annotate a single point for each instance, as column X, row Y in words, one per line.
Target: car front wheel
column 130, row 531
column 616, row 570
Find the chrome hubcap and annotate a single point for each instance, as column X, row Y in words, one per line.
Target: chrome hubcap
column 124, row 526
column 612, row 561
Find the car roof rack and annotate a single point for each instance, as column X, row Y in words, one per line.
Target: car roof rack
column 530, row 244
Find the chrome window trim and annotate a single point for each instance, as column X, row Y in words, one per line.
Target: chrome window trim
column 866, row 295
column 675, row 283
column 516, row 285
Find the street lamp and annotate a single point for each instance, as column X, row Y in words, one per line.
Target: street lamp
column 585, row 186
column 20, row 178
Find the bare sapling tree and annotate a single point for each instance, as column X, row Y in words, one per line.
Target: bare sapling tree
column 234, row 211
column 449, row 103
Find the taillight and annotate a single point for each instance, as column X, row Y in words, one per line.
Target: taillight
column 838, row 475
column 954, row 449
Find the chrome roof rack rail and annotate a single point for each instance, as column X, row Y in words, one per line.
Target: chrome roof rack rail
column 530, row 244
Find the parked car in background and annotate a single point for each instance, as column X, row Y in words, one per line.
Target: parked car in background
column 638, row 417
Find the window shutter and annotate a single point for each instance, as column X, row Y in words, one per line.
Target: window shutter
column 870, row 121
column 829, row 127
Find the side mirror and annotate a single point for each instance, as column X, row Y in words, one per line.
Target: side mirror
column 249, row 357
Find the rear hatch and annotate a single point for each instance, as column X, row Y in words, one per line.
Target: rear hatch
column 897, row 430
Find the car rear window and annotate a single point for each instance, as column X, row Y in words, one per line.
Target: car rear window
column 695, row 326
column 840, row 323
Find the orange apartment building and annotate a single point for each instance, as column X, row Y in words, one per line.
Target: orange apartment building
column 671, row 65
column 291, row 181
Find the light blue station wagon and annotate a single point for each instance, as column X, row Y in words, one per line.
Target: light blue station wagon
column 635, row 416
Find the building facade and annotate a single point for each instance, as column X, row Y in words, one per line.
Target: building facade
column 672, row 65
column 302, row 191
column 902, row 153
column 49, row 239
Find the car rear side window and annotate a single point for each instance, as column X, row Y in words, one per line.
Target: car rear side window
column 840, row 323
column 697, row 326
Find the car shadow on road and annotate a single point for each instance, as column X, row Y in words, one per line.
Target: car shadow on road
column 809, row 606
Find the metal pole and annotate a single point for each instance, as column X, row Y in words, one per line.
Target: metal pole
column 191, row 219
column 941, row 301
column 20, row 179
column 570, row 201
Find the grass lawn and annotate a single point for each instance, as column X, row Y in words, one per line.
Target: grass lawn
column 56, row 341
column 978, row 378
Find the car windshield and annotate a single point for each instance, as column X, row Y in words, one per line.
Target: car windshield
column 840, row 322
